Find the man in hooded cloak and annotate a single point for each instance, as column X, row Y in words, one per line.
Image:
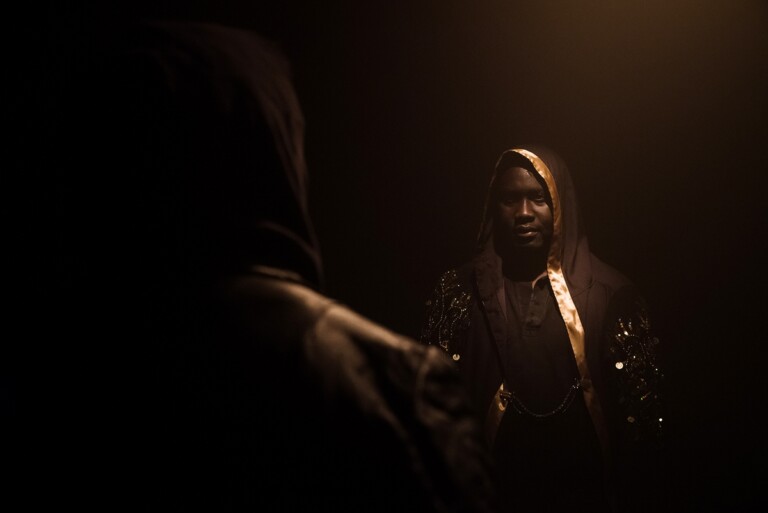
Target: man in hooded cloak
column 555, row 348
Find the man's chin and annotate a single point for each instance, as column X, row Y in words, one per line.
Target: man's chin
column 532, row 243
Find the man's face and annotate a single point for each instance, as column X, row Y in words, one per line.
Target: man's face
column 523, row 212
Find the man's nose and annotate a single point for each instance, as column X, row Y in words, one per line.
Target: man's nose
column 524, row 209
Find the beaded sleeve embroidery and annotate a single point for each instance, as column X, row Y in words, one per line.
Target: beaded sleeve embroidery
column 633, row 350
column 447, row 313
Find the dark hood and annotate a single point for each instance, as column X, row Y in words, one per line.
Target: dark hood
column 571, row 242
column 197, row 149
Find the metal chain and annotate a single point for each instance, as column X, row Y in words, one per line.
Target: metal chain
column 521, row 408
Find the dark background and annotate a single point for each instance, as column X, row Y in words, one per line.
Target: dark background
column 659, row 107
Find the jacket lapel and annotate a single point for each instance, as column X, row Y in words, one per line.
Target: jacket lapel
column 490, row 289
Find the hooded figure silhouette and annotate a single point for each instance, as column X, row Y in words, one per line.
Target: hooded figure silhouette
column 222, row 377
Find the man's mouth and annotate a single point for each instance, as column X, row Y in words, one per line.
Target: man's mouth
column 526, row 231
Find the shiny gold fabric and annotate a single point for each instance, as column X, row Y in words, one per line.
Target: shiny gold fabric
column 495, row 413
